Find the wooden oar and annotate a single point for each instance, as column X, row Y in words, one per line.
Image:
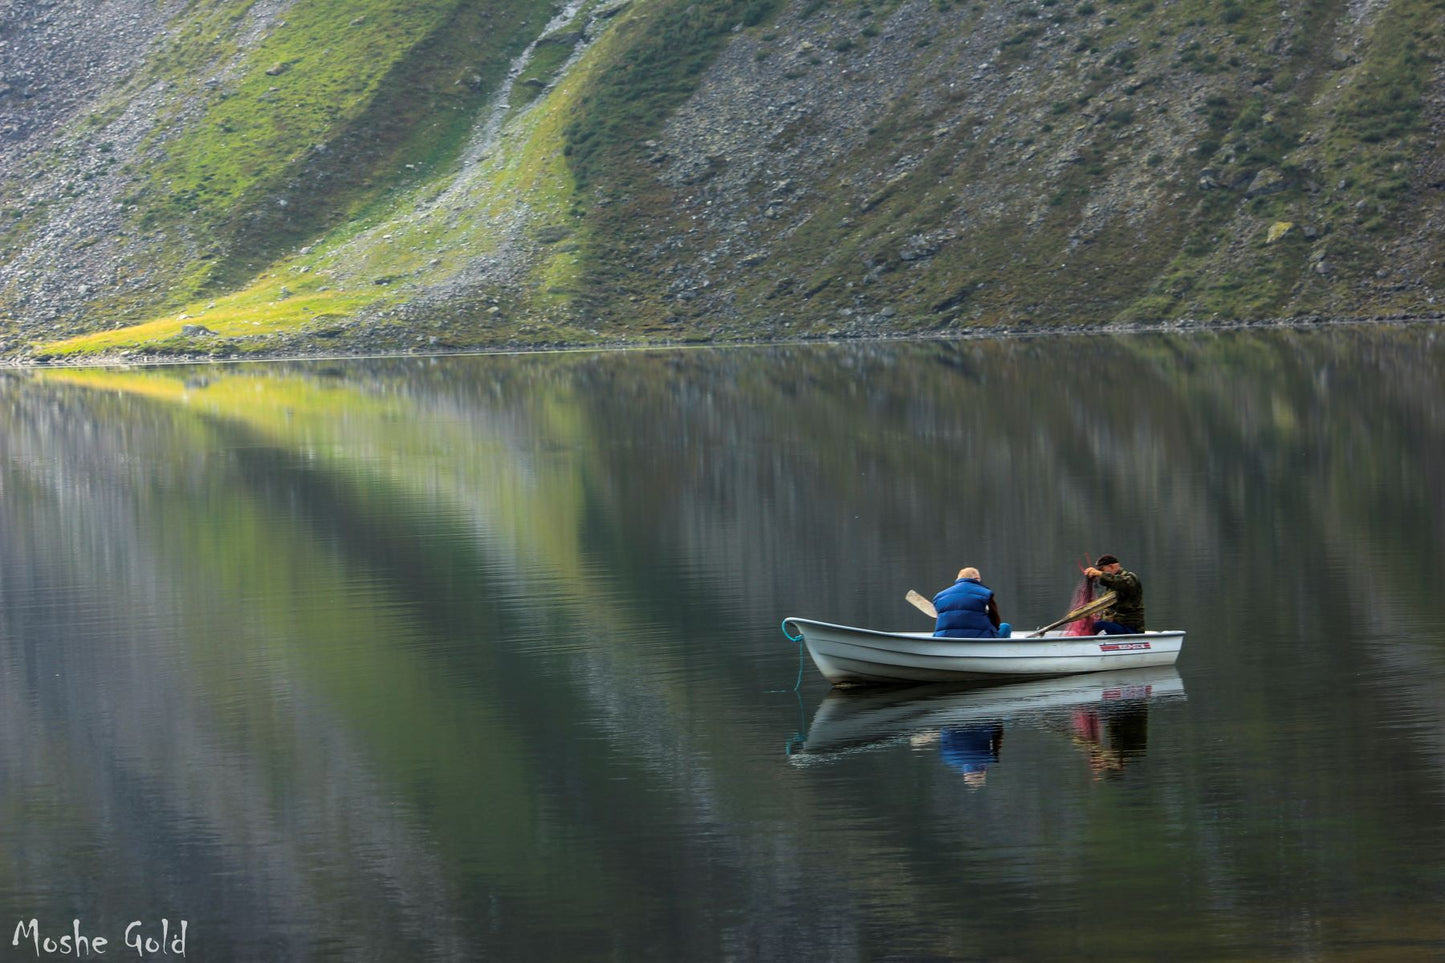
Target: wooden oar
column 922, row 604
column 1089, row 608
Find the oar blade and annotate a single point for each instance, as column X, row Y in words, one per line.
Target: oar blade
column 922, row 604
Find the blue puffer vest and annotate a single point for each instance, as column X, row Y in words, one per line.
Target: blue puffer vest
column 963, row 611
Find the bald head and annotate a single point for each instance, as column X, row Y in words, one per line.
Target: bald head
column 969, row 572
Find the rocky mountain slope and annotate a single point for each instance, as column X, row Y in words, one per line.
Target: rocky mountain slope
column 228, row 177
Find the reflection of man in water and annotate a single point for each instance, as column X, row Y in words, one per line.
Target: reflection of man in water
column 971, row 750
column 1111, row 738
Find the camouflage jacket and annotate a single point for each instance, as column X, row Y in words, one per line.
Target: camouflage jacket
column 1128, row 608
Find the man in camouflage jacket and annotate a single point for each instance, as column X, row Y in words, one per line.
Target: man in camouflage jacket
column 1126, row 615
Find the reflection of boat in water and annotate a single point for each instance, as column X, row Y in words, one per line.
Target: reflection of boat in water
column 849, row 655
column 854, row 720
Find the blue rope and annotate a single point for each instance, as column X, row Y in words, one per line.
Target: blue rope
column 798, row 639
column 799, row 738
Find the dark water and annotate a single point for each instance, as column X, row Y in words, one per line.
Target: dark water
column 479, row 658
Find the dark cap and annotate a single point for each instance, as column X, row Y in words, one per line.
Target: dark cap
column 1105, row 560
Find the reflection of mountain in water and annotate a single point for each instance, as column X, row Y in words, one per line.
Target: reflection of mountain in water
column 744, row 464
column 737, row 465
column 159, row 731
column 1094, row 707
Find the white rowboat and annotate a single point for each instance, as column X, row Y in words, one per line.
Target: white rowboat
column 850, row 656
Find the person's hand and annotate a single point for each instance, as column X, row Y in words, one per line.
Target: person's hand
column 1092, row 572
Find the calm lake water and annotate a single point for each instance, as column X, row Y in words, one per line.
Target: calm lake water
column 479, row 658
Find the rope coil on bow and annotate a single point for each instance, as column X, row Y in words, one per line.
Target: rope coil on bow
column 798, row 639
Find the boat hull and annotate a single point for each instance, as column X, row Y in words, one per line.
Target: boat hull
column 847, row 655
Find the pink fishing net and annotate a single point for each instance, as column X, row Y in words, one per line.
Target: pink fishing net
column 1083, row 595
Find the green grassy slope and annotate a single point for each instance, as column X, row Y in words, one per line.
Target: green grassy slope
column 336, row 106
column 757, row 168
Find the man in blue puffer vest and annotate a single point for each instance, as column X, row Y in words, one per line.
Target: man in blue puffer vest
column 967, row 610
